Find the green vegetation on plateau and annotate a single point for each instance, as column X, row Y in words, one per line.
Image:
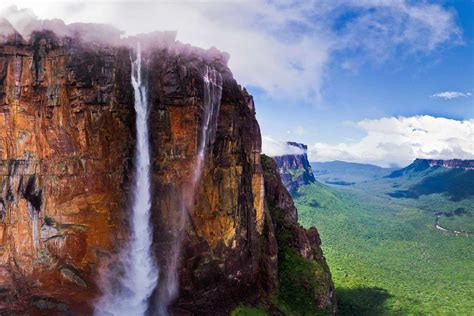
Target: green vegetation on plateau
column 384, row 253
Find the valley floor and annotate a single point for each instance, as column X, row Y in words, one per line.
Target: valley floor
column 385, row 254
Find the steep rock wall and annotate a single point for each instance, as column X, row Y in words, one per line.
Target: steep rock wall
column 219, row 260
column 66, row 138
column 66, row 161
column 305, row 285
column 66, row 149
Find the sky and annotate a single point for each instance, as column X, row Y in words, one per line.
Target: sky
column 372, row 81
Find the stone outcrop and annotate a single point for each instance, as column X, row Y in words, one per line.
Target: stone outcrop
column 294, row 168
column 303, row 273
column 66, row 159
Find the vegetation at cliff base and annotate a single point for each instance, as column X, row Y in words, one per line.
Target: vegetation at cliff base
column 299, row 281
column 248, row 311
column 386, row 256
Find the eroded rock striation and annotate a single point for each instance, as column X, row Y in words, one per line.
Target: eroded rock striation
column 65, row 147
column 294, row 167
column 67, row 128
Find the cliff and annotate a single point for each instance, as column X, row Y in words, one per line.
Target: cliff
column 66, row 142
column 305, row 284
column 67, row 134
column 423, row 164
column 453, row 164
column 294, row 168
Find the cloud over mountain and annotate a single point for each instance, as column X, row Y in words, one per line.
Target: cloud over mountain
column 282, row 47
column 272, row 147
column 399, row 140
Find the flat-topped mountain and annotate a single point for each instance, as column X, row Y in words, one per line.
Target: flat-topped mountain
column 452, row 163
column 294, row 168
column 423, row 164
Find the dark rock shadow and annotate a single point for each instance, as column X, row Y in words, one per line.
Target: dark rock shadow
column 361, row 301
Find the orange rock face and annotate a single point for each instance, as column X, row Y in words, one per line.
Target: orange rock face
column 219, row 258
column 66, row 159
column 65, row 148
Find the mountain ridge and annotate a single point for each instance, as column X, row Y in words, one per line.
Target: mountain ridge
column 423, row 164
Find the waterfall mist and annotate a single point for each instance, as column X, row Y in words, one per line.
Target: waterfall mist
column 130, row 291
column 212, row 100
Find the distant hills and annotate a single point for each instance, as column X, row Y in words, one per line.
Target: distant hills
column 394, row 239
column 389, row 232
column 422, row 164
column 347, row 173
column 454, row 178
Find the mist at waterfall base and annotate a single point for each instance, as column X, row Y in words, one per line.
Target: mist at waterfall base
column 128, row 293
column 212, row 100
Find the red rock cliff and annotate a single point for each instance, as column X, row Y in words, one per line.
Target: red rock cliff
column 65, row 145
column 66, row 157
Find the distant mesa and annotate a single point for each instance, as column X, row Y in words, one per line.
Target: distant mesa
column 295, row 169
column 454, row 178
column 423, row 164
column 453, row 163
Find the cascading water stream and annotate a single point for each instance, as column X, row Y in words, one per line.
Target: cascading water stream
column 140, row 275
column 212, row 101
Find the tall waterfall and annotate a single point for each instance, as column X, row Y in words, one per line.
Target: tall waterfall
column 139, row 276
column 212, row 101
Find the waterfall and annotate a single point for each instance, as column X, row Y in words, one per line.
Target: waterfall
column 212, row 101
column 133, row 287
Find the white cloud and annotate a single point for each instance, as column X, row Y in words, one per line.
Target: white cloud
column 399, row 140
column 298, row 130
column 448, row 95
column 282, row 47
column 272, row 147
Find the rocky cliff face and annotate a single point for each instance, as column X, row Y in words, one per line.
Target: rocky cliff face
column 452, row 164
column 294, row 168
column 66, row 160
column 66, row 138
column 305, row 284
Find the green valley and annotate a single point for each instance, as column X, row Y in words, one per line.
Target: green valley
column 384, row 252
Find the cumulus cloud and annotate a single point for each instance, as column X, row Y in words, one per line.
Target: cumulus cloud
column 272, row 147
column 399, row 140
column 282, row 47
column 448, row 95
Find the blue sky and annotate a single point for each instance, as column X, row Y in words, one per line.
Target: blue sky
column 356, row 80
column 398, row 86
